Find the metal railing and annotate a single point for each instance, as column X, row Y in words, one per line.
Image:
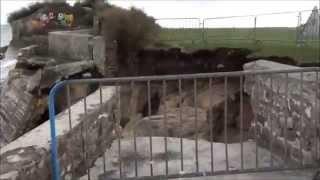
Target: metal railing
column 209, row 81
column 264, row 34
column 253, row 25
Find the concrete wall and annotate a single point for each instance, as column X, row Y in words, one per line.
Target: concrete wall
column 81, row 45
column 75, row 45
column 281, row 113
column 99, row 53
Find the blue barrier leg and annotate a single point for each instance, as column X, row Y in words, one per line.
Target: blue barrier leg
column 54, row 151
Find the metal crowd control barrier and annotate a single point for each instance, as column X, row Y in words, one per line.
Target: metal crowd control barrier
column 194, row 80
column 239, row 28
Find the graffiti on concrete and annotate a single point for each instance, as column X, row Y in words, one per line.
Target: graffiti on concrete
column 52, row 20
column 44, row 20
column 65, row 19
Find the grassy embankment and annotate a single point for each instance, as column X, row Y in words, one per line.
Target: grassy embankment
column 269, row 41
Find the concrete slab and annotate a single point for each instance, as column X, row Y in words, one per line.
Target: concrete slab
column 142, row 156
column 284, row 175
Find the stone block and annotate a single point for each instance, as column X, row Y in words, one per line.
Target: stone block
column 27, row 52
column 293, row 108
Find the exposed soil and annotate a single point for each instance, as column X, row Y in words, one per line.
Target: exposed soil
column 170, row 110
column 174, row 61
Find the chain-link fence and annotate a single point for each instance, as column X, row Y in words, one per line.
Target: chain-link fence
column 294, row 34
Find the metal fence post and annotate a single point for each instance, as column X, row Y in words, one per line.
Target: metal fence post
column 54, row 145
column 203, row 31
column 299, row 36
column 255, row 29
column 319, row 35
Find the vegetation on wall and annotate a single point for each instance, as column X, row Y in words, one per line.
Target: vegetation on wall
column 85, row 17
column 132, row 29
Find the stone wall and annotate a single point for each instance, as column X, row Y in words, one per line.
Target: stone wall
column 285, row 111
column 28, row 157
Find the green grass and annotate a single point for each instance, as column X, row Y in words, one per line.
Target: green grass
column 264, row 41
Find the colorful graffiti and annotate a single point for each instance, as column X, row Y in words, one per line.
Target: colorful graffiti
column 65, row 19
column 51, row 20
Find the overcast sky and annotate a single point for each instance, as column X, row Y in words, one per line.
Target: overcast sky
column 205, row 9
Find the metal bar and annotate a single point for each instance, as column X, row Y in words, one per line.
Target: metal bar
column 118, row 126
column 86, row 136
column 196, row 116
column 255, row 130
column 211, row 124
column 177, row 19
column 316, row 125
column 217, row 173
column 83, row 142
column 150, row 136
column 192, row 76
column 203, row 32
column 69, row 106
column 55, row 166
column 241, row 121
column 101, row 127
column 164, row 90
column 253, row 15
column 301, row 119
column 255, row 28
column 298, row 31
column 132, row 85
column 286, row 112
column 271, row 122
column 70, row 125
column 181, row 125
column 195, row 94
column 319, row 35
column 246, row 39
column 318, row 107
column 226, row 121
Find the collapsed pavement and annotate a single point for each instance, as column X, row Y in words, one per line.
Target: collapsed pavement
column 24, row 94
column 58, row 56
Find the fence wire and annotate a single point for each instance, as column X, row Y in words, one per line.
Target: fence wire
column 298, row 37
